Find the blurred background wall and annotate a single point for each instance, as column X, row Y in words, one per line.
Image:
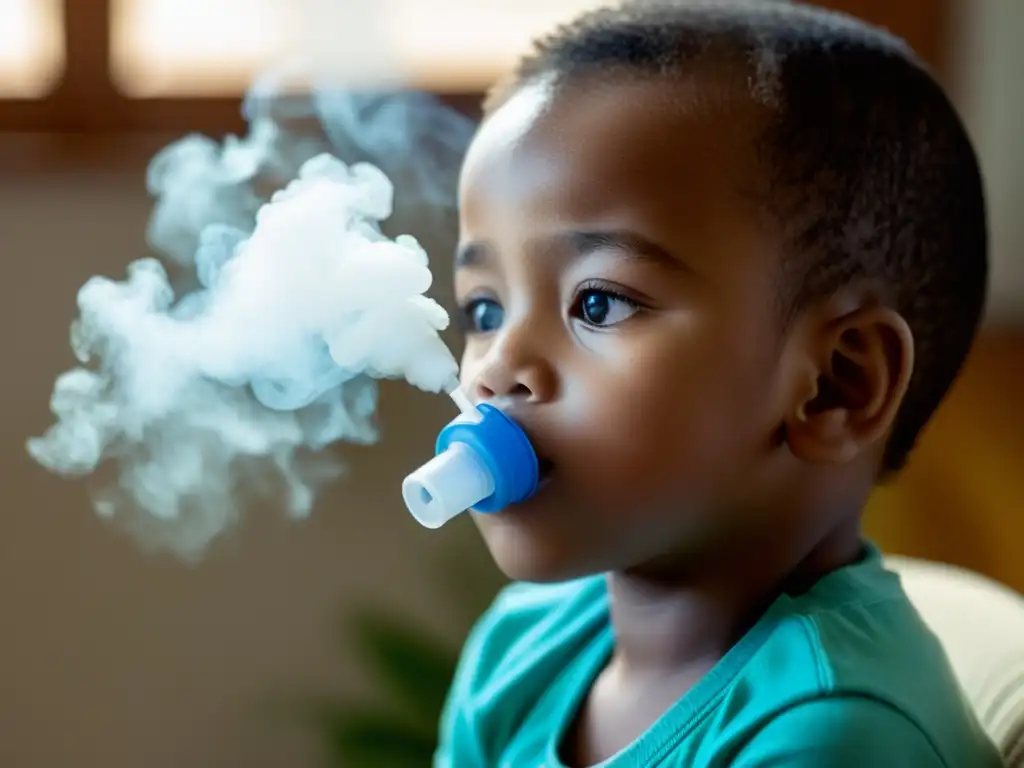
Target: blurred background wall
column 113, row 658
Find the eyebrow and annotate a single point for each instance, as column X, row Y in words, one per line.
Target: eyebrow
column 630, row 245
column 472, row 255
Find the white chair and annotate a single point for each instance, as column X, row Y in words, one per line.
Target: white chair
column 981, row 626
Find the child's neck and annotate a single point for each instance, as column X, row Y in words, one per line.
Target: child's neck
column 671, row 630
column 667, row 626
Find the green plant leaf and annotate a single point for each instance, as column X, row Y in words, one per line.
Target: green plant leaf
column 361, row 737
column 413, row 666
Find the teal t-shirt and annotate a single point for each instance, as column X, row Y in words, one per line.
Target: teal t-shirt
column 845, row 675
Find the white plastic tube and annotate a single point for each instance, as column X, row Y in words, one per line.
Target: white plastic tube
column 447, row 485
column 465, row 404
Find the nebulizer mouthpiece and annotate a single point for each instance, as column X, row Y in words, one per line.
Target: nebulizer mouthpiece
column 483, row 461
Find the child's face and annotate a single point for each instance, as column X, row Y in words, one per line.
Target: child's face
column 618, row 295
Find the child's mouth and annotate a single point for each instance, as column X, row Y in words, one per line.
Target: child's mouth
column 545, row 469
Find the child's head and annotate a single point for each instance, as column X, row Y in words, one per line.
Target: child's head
column 722, row 260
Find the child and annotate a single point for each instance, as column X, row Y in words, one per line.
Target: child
column 722, row 261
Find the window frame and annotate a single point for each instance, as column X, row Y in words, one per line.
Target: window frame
column 86, row 102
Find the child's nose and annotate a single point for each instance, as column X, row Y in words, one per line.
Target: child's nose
column 511, row 372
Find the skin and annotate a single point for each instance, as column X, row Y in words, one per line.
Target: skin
column 618, row 280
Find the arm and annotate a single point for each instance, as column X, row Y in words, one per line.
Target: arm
column 842, row 732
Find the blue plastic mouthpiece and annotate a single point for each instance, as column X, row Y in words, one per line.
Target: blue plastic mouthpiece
column 483, row 461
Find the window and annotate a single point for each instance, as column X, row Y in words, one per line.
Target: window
column 88, row 67
column 31, row 47
column 176, row 48
column 194, row 47
column 464, row 45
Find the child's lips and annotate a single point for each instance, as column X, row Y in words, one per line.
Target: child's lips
column 544, row 472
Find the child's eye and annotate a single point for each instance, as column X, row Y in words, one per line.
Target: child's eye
column 482, row 316
column 604, row 308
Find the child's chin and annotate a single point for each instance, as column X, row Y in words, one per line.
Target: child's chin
column 526, row 550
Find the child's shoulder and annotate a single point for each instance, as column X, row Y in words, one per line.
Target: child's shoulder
column 529, row 624
column 529, row 637
column 853, row 656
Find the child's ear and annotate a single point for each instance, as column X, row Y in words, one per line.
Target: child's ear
column 857, row 373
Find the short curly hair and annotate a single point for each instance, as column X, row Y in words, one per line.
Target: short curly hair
column 870, row 170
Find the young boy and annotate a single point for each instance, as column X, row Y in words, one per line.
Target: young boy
column 722, row 261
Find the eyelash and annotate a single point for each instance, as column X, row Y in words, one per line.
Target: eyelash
column 598, row 286
column 465, row 314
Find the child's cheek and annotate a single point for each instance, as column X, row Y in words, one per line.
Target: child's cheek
column 473, row 356
column 663, row 425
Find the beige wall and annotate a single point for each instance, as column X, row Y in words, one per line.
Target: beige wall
column 987, row 60
column 117, row 659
